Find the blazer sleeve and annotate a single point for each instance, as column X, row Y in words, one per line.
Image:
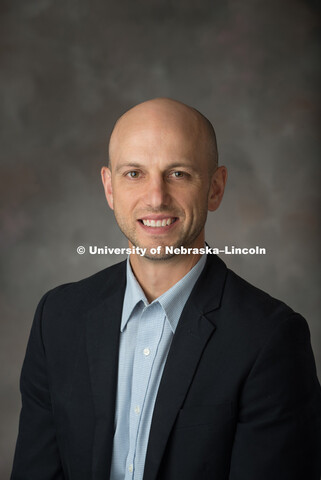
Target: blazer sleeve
column 37, row 455
column 279, row 428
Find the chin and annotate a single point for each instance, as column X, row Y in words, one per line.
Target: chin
column 161, row 257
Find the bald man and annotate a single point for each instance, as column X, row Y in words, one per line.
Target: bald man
column 167, row 366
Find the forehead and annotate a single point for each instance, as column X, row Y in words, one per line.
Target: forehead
column 156, row 137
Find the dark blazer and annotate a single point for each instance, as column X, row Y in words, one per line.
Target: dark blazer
column 239, row 397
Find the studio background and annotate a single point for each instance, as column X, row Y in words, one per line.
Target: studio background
column 70, row 69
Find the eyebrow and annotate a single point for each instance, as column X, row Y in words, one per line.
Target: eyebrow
column 127, row 165
column 169, row 167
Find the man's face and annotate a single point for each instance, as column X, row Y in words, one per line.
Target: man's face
column 159, row 185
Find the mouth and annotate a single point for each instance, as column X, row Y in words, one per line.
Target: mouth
column 157, row 225
column 158, row 222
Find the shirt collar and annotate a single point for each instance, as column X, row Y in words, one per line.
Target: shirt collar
column 133, row 295
column 172, row 301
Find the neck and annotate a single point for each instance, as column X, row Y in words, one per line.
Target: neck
column 157, row 276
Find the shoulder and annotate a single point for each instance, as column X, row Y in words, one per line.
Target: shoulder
column 249, row 298
column 256, row 315
column 245, row 312
column 86, row 293
column 235, row 294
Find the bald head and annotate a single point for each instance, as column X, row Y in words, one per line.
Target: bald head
column 167, row 119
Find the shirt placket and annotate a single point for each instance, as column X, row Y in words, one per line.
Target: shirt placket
column 149, row 334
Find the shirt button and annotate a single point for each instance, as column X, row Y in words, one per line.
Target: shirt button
column 146, row 351
column 137, row 409
column 131, row 467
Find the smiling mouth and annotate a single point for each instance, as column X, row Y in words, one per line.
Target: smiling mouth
column 158, row 223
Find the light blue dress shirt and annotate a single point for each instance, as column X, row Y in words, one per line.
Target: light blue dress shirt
column 146, row 335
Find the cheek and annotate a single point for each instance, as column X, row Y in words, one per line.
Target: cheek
column 199, row 209
column 120, row 197
column 124, row 206
column 196, row 203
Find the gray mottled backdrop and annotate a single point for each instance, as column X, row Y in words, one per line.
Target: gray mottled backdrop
column 69, row 69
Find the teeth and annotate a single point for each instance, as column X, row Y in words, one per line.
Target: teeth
column 158, row 223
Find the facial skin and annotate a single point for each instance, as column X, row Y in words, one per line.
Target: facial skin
column 163, row 173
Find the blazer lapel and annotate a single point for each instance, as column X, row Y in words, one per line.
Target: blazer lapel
column 103, row 330
column 193, row 332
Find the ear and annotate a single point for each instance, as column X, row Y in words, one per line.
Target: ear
column 217, row 187
column 106, row 179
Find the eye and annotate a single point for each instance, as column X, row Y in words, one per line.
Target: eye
column 132, row 174
column 178, row 174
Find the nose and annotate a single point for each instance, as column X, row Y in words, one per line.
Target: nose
column 157, row 195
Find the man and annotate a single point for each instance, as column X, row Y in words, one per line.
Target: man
column 167, row 366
